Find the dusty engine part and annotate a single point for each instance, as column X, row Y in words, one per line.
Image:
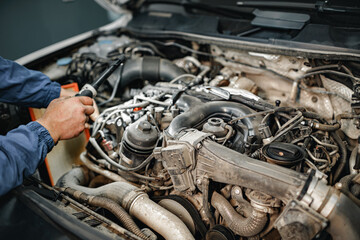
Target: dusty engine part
column 215, row 126
column 283, row 154
column 219, row 232
column 246, row 227
column 138, row 142
column 227, row 166
column 262, row 201
column 256, row 143
column 223, row 165
column 136, row 202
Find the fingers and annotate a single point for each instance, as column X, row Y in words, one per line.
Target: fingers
column 95, row 114
column 88, row 110
column 85, row 100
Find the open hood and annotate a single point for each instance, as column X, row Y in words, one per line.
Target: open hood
column 118, row 6
column 304, row 25
column 338, row 7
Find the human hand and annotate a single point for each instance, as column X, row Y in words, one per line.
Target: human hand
column 65, row 118
column 70, row 93
column 67, row 92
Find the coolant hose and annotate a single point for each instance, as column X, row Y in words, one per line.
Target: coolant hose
column 326, row 127
column 149, row 68
column 246, row 227
column 343, row 156
column 136, row 202
column 201, row 112
column 110, row 205
column 349, row 186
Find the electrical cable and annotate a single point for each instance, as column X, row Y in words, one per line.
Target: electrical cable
column 115, row 164
column 117, row 83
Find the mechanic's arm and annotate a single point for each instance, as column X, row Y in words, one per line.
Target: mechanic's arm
column 19, row 85
column 24, row 148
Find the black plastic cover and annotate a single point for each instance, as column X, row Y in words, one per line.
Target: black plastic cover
column 282, row 20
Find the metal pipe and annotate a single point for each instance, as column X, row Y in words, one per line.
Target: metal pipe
column 133, row 200
column 158, row 218
column 101, row 218
column 110, row 205
column 224, row 165
column 95, row 168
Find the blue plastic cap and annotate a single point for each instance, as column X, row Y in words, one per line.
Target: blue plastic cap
column 64, row 61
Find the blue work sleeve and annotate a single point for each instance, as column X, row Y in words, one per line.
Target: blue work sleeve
column 21, row 86
column 21, row 152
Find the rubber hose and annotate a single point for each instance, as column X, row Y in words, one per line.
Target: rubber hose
column 326, row 127
column 133, row 200
column 260, row 105
column 98, row 181
column 347, row 184
column 152, row 69
column 346, row 181
column 246, row 227
column 201, row 112
column 186, row 102
column 355, row 190
column 110, row 205
column 343, row 157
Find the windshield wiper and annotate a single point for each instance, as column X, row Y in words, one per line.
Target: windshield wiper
column 320, row 6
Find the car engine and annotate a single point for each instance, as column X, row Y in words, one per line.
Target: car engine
column 202, row 141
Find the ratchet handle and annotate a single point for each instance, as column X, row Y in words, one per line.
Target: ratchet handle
column 85, row 93
column 88, row 91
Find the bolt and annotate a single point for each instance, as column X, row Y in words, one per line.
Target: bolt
column 314, row 99
column 237, row 191
column 198, row 181
column 198, row 146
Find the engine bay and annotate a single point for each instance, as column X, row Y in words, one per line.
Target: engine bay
column 202, row 141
